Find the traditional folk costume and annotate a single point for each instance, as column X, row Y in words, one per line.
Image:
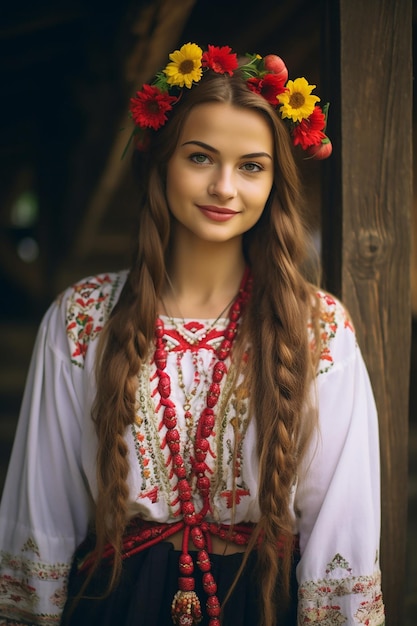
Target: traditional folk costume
column 193, row 467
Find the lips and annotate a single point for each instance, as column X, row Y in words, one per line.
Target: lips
column 216, row 213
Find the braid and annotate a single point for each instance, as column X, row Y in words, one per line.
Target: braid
column 124, row 345
column 281, row 369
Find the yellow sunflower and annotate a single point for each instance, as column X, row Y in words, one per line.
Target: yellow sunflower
column 297, row 102
column 185, row 66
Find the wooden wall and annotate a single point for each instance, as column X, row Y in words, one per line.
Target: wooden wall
column 367, row 228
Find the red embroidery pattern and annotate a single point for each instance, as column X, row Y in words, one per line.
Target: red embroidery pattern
column 320, row 601
column 178, row 342
column 332, row 316
column 234, row 498
column 21, row 589
column 225, row 456
column 88, row 307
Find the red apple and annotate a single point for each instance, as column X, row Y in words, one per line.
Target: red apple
column 275, row 65
column 322, row 150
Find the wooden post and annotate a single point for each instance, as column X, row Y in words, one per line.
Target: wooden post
column 367, row 57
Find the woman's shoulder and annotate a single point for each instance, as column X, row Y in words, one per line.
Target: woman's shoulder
column 83, row 309
column 335, row 332
column 99, row 291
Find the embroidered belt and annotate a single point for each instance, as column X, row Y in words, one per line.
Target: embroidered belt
column 140, row 535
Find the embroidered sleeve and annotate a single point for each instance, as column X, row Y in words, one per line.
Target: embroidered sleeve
column 87, row 308
column 338, row 499
column 47, row 504
column 45, row 501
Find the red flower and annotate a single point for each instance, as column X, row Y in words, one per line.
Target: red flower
column 220, row 60
column 270, row 86
column 309, row 132
column 149, row 107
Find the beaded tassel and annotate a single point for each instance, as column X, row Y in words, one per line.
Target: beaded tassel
column 186, row 608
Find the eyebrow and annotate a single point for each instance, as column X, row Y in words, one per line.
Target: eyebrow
column 206, row 146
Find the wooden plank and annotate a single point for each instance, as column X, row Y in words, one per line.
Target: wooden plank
column 367, row 225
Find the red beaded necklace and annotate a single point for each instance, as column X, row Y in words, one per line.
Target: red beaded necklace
column 186, row 608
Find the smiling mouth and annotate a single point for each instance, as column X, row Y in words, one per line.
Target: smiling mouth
column 217, row 209
column 216, row 213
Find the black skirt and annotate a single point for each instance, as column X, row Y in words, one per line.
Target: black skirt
column 148, row 583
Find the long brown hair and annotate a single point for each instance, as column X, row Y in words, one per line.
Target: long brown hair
column 274, row 325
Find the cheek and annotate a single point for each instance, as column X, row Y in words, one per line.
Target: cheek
column 260, row 195
column 182, row 187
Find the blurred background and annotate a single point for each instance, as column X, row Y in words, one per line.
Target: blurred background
column 67, row 199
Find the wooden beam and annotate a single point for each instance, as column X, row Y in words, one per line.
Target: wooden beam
column 414, row 230
column 368, row 199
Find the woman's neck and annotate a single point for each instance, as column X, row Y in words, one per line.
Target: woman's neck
column 202, row 279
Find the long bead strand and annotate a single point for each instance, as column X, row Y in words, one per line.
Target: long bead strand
column 186, row 608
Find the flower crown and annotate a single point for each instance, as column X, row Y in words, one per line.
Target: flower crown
column 267, row 76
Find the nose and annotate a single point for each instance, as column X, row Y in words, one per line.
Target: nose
column 223, row 184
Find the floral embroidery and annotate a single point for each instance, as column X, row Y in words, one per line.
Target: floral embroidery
column 319, row 600
column 147, row 445
column 34, row 569
column 18, row 596
column 189, row 341
column 338, row 562
column 238, row 419
column 17, row 590
column 88, row 308
column 59, row 597
column 31, row 546
column 371, row 612
column 332, row 316
column 325, row 616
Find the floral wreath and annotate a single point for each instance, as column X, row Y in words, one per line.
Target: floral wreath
column 267, row 76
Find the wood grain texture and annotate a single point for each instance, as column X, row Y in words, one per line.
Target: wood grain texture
column 372, row 215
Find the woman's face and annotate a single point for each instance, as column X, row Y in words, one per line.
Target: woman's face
column 221, row 172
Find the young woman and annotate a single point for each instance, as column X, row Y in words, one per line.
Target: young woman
column 198, row 436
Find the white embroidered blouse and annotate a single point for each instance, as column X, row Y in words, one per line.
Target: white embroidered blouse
column 51, row 486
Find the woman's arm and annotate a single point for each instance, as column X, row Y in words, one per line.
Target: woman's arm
column 338, row 496
column 46, row 502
